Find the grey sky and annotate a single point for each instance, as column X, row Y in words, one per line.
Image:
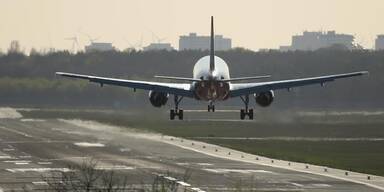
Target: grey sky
column 250, row 23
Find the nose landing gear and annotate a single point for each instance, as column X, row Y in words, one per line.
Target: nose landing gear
column 246, row 112
column 211, row 107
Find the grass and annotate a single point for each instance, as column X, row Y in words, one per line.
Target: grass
column 362, row 155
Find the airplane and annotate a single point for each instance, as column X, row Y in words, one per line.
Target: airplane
column 211, row 82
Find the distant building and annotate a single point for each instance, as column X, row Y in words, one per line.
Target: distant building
column 158, row 46
column 310, row 41
column 379, row 42
column 195, row 42
column 99, row 47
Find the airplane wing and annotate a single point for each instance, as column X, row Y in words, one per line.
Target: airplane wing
column 240, row 89
column 181, row 89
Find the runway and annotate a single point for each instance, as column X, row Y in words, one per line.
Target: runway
column 29, row 147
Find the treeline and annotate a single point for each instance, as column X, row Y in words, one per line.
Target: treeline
column 30, row 80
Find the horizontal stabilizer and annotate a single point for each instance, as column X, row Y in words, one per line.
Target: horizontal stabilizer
column 246, row 78
column 177, row 78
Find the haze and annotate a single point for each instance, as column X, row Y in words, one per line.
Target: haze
column 250, row 23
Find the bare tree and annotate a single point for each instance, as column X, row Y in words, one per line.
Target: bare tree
column 14, row 47
column 85, row 177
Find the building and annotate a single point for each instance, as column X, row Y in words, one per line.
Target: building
column 158, row 46
column 311, row 41
column 195, row 42
column 99, row 47
column 379, row 42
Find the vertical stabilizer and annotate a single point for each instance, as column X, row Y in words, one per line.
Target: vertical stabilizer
column 212, row 49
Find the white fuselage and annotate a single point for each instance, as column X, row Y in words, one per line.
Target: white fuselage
column 211, row 88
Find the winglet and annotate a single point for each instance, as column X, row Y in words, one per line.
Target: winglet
column 212, row 49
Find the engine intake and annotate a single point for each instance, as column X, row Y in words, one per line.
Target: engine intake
column 158, row 99
column 264, row 99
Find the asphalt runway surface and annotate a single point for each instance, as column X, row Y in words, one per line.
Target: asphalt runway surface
column 31, row 147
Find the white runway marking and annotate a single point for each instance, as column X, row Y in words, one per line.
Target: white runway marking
column 293, row 138
column 18, row 162
column 356, row 179
column 336, row 113
column 205, row 164
column 8, row 149
column 32, row 120
column 182, row 164
column 40, row 170
column 6, row 157
column 222, row 120
column 115, row 167
column 321, row 185
column 245, row 171
column 15, row 131
column 44, row 163
column 25, row 156
column 125, row 149
column 222, row 111
column 86, row 144
column 297, row 185
column 40, row 183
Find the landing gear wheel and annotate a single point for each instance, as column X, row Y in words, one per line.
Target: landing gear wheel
column 172, row 114
column 181, row 114
column 211, row 107
column 242, row 114
column 246, row 111
column 250, row 114
column 176, row 112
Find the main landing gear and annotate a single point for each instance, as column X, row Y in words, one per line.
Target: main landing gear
column 176, row 112
column 246, row 111
column 211, row 107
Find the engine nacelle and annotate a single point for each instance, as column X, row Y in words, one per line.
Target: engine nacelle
column 264, row 99
column 158, row 99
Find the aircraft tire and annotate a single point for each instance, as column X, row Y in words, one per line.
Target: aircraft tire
column 172, row 114
column 181, row 114
column 250, row 113
column 242, row 114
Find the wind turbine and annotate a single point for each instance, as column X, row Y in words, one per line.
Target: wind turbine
column 91, row 40
column 75, row 43
column 136, row 46
column 158, row 39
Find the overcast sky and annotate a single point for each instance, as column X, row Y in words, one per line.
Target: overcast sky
column 252, row 24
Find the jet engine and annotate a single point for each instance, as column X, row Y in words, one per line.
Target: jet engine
column 158, row 99
column 264, row 99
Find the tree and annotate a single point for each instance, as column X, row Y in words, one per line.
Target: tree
column 14, row 47
column 85, row 177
